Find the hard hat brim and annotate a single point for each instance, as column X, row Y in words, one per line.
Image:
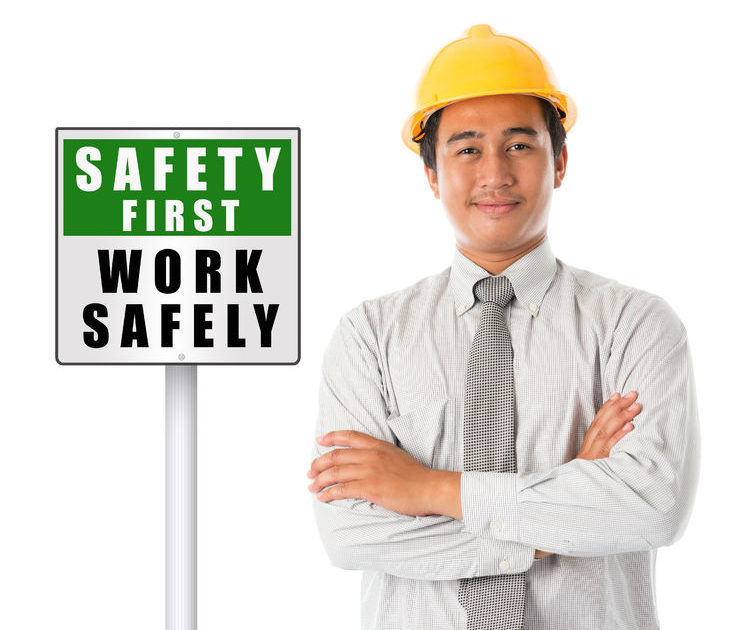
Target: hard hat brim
column 412, row 127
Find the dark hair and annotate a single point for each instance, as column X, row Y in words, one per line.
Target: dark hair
column 552, row 122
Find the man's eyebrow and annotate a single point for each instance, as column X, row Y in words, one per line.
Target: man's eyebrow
column 460, row 135
column 527, row 131
column 510, row 131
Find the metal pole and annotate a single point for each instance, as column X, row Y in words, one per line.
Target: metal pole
column 180, row 497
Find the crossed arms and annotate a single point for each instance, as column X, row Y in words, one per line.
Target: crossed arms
column 447, row 524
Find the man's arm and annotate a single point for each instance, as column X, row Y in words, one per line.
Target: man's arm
column 638, row 498
column 359, row 534
column 382, row 473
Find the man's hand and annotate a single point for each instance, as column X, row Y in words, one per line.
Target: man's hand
column 611, row 424
column 381, row 473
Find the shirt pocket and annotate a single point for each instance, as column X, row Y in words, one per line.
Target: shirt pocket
column 431, row 433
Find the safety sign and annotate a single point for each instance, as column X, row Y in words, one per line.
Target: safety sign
column 178, row 245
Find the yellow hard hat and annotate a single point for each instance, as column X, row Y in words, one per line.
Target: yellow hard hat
column 479, row 64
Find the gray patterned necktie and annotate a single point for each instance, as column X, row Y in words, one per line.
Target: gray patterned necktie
column 492, row 602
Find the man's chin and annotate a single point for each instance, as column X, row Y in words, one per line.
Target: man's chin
column 493, row 245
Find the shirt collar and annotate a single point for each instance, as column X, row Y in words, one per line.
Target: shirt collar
column 530, row 276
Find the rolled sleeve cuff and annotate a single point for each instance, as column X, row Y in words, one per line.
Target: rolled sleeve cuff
column 489, row 505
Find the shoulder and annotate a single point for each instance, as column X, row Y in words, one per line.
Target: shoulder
column 623, row 308
column 372, row 317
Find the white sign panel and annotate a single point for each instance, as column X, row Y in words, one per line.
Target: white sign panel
column 178, row 245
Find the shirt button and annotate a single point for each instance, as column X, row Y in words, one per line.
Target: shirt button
column 504, row 565
column 533, row 306
column 496, row 526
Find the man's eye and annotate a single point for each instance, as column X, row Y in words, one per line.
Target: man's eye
column 520, row 144
column 468, row 150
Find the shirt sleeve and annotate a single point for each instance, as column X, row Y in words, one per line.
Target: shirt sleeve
column 358, row 534
column 639, row 497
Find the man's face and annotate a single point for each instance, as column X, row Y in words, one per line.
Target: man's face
column 495, row 172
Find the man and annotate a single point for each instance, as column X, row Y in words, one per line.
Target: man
column 459, row 466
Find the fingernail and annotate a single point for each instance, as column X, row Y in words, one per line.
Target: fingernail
column 628, row 426
column 615, row 396
column 629, row 394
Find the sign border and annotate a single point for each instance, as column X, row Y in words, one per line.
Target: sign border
column 56, row 242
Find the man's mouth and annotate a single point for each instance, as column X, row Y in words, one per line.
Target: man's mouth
column 495, row 209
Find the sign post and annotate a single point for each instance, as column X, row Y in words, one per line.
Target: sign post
column 181, row 497
column 178, row 247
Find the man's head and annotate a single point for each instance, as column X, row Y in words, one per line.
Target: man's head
column 474, row 92
column 489, row 150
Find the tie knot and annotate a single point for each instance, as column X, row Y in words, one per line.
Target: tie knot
column 497, row 289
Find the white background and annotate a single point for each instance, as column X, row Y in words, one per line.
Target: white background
column 646, row 201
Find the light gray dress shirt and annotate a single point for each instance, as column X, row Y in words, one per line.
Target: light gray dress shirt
column 395, row 369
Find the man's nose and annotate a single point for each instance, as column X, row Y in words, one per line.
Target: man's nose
column 495, row 171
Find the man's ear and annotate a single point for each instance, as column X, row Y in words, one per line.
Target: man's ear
column 432, row 180
column 560, row 167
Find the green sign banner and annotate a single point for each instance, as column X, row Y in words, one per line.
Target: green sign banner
column 177, row 187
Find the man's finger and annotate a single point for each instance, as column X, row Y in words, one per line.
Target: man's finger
column 350, row 490
column 336, row 456
column 628, row 426
column 348, row 437
column 610, row 401
column 629, row 413
column 619, row 417
column 616, row 402
column 610, row 420
column 337, row 474
column 626, row 400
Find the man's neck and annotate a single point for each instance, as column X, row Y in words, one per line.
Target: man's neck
column 496, row 262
